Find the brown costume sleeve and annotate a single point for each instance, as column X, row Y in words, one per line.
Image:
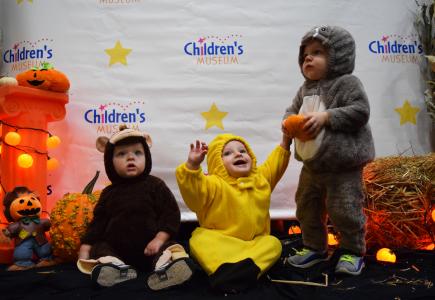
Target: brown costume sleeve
column 99, row 221
column 169, row 212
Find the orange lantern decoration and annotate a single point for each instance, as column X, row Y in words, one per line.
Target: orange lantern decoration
column 29, row 110
column 386, row 255
column 294, row 229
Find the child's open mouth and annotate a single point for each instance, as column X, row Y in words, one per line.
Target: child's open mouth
column 239, row 162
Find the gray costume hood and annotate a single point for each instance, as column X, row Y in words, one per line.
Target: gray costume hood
column 340, row 46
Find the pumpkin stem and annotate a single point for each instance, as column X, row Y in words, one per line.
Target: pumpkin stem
column 90, row 186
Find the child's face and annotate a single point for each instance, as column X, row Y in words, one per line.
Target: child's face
column 129, row 160
column 236, row 159
column 315, row 63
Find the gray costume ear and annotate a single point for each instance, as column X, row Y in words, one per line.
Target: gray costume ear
column 101, row 143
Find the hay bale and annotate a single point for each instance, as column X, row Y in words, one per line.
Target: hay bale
column 400, row 195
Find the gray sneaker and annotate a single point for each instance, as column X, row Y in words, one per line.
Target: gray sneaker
column 110, row 274
column 350, row 264
column 306, row 258
column 176, row 273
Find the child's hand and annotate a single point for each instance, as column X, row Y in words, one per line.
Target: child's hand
column 156, row 243
column 84, row 251
column 315, row 122
column 196, row 155
column 285, row 131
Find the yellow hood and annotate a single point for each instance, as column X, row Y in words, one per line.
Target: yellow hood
column 215, row 164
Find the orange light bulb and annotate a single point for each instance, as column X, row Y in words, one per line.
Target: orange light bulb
column 13, row 138
column 52, row 164
column 294, row 230
column 25, row 160
column 386, row 255
column 332, row 240
column 53, row 141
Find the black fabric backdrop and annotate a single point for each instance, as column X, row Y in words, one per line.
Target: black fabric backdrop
column 412, row 277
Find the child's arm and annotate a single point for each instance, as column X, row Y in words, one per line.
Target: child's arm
column 194, row 186
column 156, row 243
column 276, row 163
column 84, row 251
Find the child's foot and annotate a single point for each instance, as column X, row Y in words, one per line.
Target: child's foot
column 15, row 267
column 306, row 258
column 176, row 273
column 110, row 274
column 350, row 264
column 45, row 263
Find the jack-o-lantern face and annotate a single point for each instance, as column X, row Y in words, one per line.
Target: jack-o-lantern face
column 25, row 205
column 45, row 78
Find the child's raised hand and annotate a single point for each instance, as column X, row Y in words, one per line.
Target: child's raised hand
column 196, row 155
column 315, row 122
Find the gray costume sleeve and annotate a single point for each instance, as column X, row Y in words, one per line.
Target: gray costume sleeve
column 349, row 109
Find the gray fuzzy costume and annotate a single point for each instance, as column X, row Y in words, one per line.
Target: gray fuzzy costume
column 330, row 182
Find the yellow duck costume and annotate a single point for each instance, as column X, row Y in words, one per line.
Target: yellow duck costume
column 233, row 213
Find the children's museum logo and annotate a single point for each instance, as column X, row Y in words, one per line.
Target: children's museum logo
column 25, row 55
column 107, row 117
column 215, row 50
column 397, row 49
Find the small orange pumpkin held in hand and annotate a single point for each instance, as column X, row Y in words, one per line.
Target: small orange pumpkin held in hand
column 45, row 78
column 294, row 125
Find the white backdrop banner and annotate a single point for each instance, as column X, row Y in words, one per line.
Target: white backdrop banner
column 191, row 69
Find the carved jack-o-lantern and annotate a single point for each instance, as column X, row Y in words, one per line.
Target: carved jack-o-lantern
column 45, row 78
column 26, row 205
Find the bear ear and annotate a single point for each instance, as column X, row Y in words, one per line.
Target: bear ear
column 101, row 143
column 148, row 139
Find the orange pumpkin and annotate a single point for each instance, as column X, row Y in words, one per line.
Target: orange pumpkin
column 294, row 125
column 45, row 78
column 70, row 217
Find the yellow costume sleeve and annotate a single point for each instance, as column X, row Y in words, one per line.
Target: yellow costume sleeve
column 275, row 165
column 196, row 188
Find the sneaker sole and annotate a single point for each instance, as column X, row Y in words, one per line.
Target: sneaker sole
column 177, row 273
column 108, row 274
column 346, row 271
column 308, row 264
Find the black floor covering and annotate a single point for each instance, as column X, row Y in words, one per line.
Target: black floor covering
column 412, row 277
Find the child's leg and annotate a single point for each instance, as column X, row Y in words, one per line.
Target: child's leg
column 310, row 210
column 345, row 208
column 235, row 277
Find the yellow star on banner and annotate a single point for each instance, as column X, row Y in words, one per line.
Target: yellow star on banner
column 214, row 117
column 21, row 1
column 118, row 54
column 407, row 113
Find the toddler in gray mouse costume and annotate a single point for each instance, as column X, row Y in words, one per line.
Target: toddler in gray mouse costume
column 336, row 113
